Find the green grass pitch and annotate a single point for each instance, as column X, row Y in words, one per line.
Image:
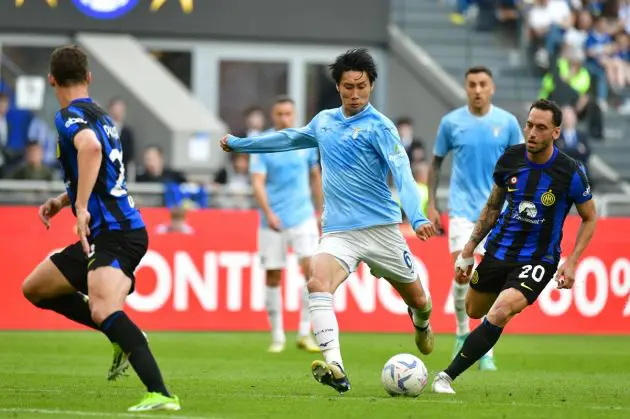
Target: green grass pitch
column 230, row 375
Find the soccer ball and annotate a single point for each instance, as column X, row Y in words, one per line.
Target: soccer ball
column 404, row 375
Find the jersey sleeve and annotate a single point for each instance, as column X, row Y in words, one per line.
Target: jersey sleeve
column 257, row 164
column 501, row 170
column 443, row 142
column 69, row 123
column 580, row 188
column 313, row 158
column 516, row 134
column 284, row 140
column 388, row 144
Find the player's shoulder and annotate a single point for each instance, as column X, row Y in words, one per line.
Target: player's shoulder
column 503, row 114
column 566, row 165
column 379, row 120
column 456, row 115
column 514, row 155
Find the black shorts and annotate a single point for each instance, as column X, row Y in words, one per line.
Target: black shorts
column 494, row 275
column 120, row 249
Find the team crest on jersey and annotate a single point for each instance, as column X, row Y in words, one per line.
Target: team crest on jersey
column 548, row 198
column 496, row 131
column 355, row 133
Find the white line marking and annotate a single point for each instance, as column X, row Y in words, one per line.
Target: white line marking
column 100, row 414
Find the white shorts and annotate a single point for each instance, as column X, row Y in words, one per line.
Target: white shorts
column 382, row 248
column 273, row 245
column 459, row 231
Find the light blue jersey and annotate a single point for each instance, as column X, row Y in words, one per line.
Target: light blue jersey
column 477, row 144
column 287, row 183
column 357, row 153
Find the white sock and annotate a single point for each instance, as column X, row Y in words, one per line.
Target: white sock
column 421, row 316
column 305, row 315
column 459, row 299
column 273, row 304
column 325, row 326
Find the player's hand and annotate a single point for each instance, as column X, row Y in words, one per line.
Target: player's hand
column 565, row 277
column 49, row 209
column 274, row 222
column 224, row 145
column 434, row 216
column 83, row 229
column 425, row 231
column 464, row 267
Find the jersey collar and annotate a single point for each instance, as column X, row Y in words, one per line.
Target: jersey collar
column 542, row 165
column 82, row 99
column 353, row 117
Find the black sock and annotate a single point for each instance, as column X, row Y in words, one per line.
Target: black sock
column 119, row 328
column 480, row 341
column 72, row 306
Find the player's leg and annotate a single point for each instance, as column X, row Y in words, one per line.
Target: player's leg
column 53, row 285
column 523, row 285
column 508, row 304
column 110, row 279
column 272, row 250
column 332, row 264
column 388, row 257
column 304, row 239
column 459, row 230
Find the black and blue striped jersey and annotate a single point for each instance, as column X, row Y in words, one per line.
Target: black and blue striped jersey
column 110, row 206
column 539, row 197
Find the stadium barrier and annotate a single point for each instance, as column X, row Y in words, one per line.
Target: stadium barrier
column 211, row 280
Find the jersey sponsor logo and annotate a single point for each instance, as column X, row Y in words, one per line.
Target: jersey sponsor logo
column 527, row 212
column 111, row 132
column 105, row 9
column 72, row 121
column 548, row 198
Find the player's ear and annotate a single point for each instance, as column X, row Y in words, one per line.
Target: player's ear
column 89, row 77
column 337, row 86
column 556, row 133
column 51, row 80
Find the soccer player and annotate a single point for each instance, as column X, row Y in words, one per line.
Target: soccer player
column 358, row 147
column 112, row 233
column 477, row 134
column 541, row 184
column 287, row 218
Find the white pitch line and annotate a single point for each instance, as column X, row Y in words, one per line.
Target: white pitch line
column 100, row 414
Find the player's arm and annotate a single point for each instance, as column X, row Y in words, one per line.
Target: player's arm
column 487, row 220
column 580, row 192
column 284, row 140
column 258, row 171
column 89, row 157
column 389, row 145
column 440, row 149
column 316, row 183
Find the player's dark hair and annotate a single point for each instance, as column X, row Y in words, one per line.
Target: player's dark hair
column 154, row 147
column 283, row 99
column 69, row 65
column 548, row 105
column 478, row 69
column 404, row 120
column 357, row 59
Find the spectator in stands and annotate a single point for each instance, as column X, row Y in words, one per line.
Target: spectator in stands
column 39, row 130
column 176, row 224
column 413, row 146
column 33, row 167
column 575, row 36
column 622, row 57
column 4, row 131
column 548, row 20
column 254, row 121
column 624, row 16
column 154, row 170
column 600, row 50
column 572, row 141
column 117, row 109
column 235, row 180
column 569, row 83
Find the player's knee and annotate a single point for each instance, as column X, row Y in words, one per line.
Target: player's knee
column 100, row 311
column 500, row 314
column 417, row 302
column 30, row 292
column 273, row 278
